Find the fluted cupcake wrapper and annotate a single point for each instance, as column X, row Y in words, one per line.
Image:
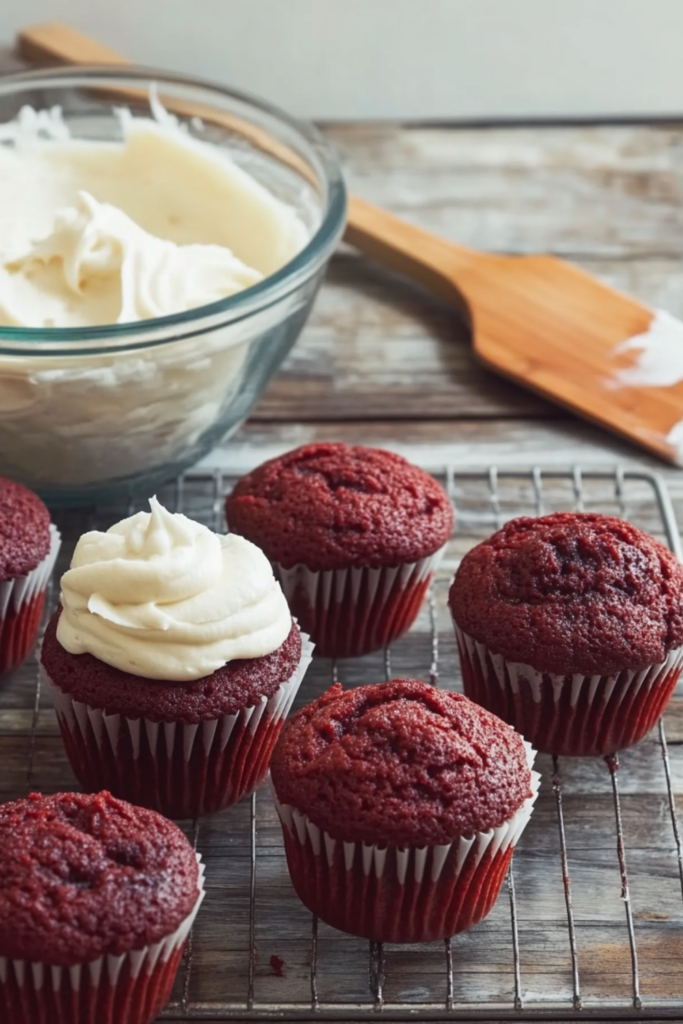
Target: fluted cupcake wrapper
column 572, row 714
column 130, row 988
column 182, row 770
column 350, row 612
column 21, row 607
column 393, row 894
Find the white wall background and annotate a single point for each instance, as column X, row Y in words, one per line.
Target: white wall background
column 440, row 59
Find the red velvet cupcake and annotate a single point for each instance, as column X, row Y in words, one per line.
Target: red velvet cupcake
column 29, row 545
column 185, row 751
column 570, row 628
column 354, row 535
column 173, row 662
column 400, row 806
column 97, row 898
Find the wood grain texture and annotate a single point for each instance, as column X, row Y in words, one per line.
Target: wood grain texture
column 608, row 198
column 539, row 321
column 597, row 191
column 378, row 347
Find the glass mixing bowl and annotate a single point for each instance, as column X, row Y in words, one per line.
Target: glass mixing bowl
column 92, row 413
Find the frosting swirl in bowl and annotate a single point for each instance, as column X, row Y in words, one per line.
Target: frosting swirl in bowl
column 162, row 597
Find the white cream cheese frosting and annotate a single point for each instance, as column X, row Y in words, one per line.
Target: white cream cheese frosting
column 97, row 266
column 96, row 232
column 161, row 596
column 659, row 354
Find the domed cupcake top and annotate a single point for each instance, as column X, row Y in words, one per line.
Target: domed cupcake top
column 571, row 593
column 330, row 505
column 400, row 763
column 24, row 530
column 161, row 596
column 83, row 875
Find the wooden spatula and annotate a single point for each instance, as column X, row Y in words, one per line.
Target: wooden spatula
column 535, row 319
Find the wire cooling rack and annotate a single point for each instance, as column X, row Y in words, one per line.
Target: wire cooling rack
column 590, row 921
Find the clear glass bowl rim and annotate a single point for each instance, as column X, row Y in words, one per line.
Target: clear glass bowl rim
column 236, row 307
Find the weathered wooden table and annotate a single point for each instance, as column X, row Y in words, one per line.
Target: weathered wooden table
column 382, row 363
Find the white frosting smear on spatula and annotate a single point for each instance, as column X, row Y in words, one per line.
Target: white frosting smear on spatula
column 675, row 439
column 659, row 362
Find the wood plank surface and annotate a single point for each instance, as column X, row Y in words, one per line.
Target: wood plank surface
column 606, row 197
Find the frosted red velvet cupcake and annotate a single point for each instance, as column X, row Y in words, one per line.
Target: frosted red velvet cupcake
column 354, row 535
column 400, row 805
column 173, row 661
column 570, row 628
column 97, row 898
column 29, row 545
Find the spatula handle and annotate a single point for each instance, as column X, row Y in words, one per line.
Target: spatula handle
column 433, row 262
column 54, row 43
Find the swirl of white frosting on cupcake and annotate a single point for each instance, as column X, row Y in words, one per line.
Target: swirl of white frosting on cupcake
column 161, row 596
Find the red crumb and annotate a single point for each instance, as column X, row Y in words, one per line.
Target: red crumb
column 277, row 965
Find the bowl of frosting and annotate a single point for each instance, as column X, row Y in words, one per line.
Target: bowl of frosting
column 161, row 244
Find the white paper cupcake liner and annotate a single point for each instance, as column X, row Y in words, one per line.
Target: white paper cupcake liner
column 105, row 968
column 573, row 713
column 424, row 863
column 24, row 589
column 175, row 744
column 393, row 894
column 214, row 733
column 21, row 606
column 376, row 593
column 341, row 584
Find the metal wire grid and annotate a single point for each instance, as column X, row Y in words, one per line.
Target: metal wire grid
column 493, row 513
